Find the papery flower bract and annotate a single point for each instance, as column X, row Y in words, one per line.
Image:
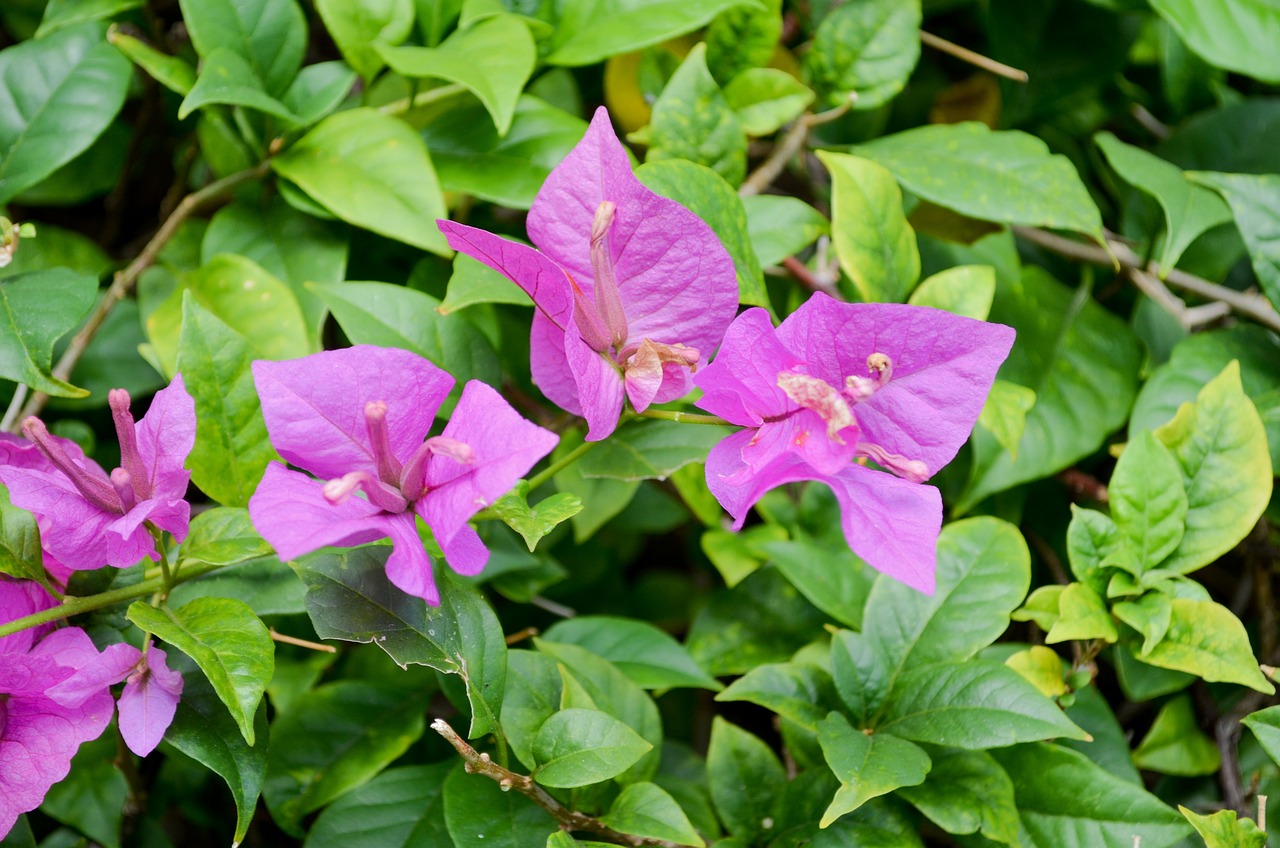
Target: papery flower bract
column 836, row 382
column 633, row 291
column 38, row 735
column 88, row 518
column 357, row 418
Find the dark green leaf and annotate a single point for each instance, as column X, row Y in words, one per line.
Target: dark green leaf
column 744, row 776
column 866, row 50
column 1255, row 203
column 400, row 808
column 20, row 554
column 692, row 120
column 226, row 78
column 647, row 655
column 742, row 38
column 39, row 308
column 479, row 815
column 533, row 694
column 173, row 72
column 1234, row 34
column 473, row 282
column 222, row 536
column 271, row 35
column 60, row 14
column 868, row 765
column 602, row 498
column 317, row 90
column 968, row 792
column 1148, row 502
column 646, row 809
column 358, row 28
column 1175, row 744
column 589, row 31
column 782, row 226
column 835, row 581
column 766, row 98
column 797, row 691
column 650, row 448
column 578, row 747
column 92, row 796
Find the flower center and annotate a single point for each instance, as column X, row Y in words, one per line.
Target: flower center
column 602, row 323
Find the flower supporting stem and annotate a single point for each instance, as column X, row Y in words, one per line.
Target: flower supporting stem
column 166, row 575
column 560, row 465
column 683, row 417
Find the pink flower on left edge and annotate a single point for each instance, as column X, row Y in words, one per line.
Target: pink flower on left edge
column 633, row 291
column 357, row 418
column 898, row 385
column 88, row 518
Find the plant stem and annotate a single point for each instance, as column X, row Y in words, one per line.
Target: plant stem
column 422, row 98
column 125, row 279
column 560, row 465
column 683, row 417
column 976, row 59
column 478, row 763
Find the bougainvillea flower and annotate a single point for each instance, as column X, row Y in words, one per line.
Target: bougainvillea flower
column 357, row 418
column 633, row 291
column 150, row 697
column 38, row 735
column 88, row 518
column 900, row 386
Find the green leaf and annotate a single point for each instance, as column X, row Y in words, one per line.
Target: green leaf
column 1175, row 745
column 173, row 72
column 60, row 14
column 397, row 316
column 1255, row 203
column 334, row 740
column 204, row 730
column 1066, row 801
column 492, row 59
column 349, row 597
column 868, row 765
column 20, row 554
column 534, row 690
column 229, row 643
column 370, row 170
column 706, row 194
column 1206, row 639
column 766, row 98
column 602, row 498
column 473, row 282
column 1093, row 541
column 1081, row 361
column 968, row 792
column 227, row 78
column 39, row 308
column 532, row 523
column 318, row 90
column 1004, row 415
column 1006, row 176
column 744, row 775
column 1221, row 445
column 400, row 808
column 646, row 809
column 1082, row 615
column 1042, row 668
column 359, row 27
column 1222, row 830
column 963, row 290
column 1189, row 209
column 735, row 554
column 271, row 35
column 590, row 31
column 1234, row 34
column 692, row 120
column 782, row 226
column 60, row 94
column 743, row 38
column 875, row 244
column 222, row 536
column 478, row 814
column 232, row 448
column 650, row 448
column 578, row 747
column 798, row 692
column 835, row 580
column 1150, row 615
column 1265, row 725
column 1148, row 502
column 974, row 704
column 647, row 655
column 93, row 795
column 866, row 50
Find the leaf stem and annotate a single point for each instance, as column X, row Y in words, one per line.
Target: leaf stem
column 422, row 98
column 964, row 54
column 683, row 417
column 560, row 465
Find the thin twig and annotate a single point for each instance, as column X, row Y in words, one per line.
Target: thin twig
column 1262, row 813
column 520, row 635
column 125, row 279
column 422, row 98
column 790, row 145
column 1254, row 306
column 1149, row 122
column 277, row 636
column 1084, row 485
column 1189, row 318
column 570, row 820
column 977, row 59
column 682, row 417
column 809, row 279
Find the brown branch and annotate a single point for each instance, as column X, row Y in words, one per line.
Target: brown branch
column 977, row 59
column 1083, row 485
column 1254, row 306
column 125, row 279
column 790, row 145
column 570, row 820
column 809, row 279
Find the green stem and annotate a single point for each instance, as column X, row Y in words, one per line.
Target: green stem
column 560, row 465
column 165, row 575
column 88, row 603
column 423, row 98
column 683, row 417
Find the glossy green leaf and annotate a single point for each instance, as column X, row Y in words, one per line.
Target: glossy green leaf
column 835, row 580
column 1066, row 801
column 1093, row 540
column 222, row 536
column 1234, row 34
column 1255, row 204
column 692, row 120
column 1081, row 361
column 335, row 739
column 602, row 498
column 646, row 809
column 1175, row 744
column 271, row 35
column 349, row 597
column 400, row 808
column 1221, row 445
column 743, row 38
column 650, row 448
column 533, row 693
column 1042, row 668
column 534, row 522
column 1189, row 209
column 766, row 98
column 92, row 797
column 492, row 58
column 781, row 226
column 1148, row 501
column 204, row 730
column 647, row 655
column 1004, row 415
column 473, row 282
column 865, row 50
column 706, row 194
column 60, row 14
column 868, row 765
column 589, row 31
column 1206, row 639
column 797, row 691
column 229, row 643
column 59, row 94
column 744, row 775
column 232, row 448
column 370, row 170
column 173, row 72
column 1006, row 176
column 318, row 90
column 967, row 792
column 1265, row 725
column 55, row 247
column 38, row 309
column 1041, row 606
column 226, row 78
column 875, row 244
column 478, row 814
column 20, row 554
column 963, row 290
column 1150, row 615
column 1082, row 615
column 358, row 28
column 578, row 747
column 1223, row 830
